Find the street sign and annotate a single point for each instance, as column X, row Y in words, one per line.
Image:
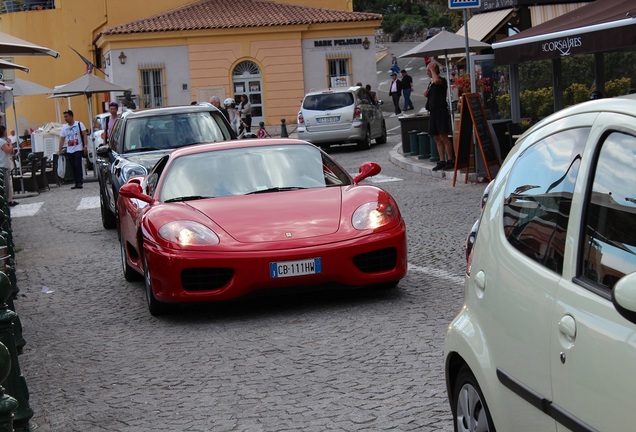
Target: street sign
column 463, row 4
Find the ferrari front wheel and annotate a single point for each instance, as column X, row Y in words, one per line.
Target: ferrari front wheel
column 130, row 274
column 155, row 307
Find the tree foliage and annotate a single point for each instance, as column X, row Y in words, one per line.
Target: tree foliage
column 410, row 18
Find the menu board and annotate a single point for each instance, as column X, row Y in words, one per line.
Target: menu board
column 473, row 119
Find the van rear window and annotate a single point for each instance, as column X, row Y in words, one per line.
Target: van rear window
column 329, row 101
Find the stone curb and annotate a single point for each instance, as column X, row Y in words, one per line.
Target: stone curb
column 421, row 166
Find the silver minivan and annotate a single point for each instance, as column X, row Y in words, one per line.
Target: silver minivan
column 340, row 116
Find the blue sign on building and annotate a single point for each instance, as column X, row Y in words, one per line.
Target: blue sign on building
column 463, row 4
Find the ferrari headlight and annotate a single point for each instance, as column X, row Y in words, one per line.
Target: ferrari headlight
column 188, row 233
column 373, row 215
column 132, row 169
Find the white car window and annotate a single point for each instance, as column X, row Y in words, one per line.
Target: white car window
column 539, row 194
column 609, row 243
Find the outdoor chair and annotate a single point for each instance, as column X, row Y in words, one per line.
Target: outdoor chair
column 51, row 171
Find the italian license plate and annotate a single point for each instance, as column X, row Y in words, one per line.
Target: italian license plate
column 295, row 268
column 322, row 120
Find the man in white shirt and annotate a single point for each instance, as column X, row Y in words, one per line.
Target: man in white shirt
column 73, row 134
column 13, row 138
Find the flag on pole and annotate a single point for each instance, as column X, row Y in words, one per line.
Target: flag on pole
column 89, row 65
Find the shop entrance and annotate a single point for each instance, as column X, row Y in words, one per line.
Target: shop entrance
column 247, row 80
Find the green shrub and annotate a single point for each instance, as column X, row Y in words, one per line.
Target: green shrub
column 575, row 94
column 503, row 105
column 537, row 103
column 617, row 87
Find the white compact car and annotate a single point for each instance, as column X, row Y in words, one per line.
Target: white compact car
column 546, row 338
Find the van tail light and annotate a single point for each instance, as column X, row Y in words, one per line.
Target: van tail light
column 357, row 114
column 301, row 119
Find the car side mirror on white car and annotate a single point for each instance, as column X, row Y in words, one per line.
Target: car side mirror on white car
column 624, row 297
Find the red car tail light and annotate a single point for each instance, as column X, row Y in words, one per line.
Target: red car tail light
column 301, row 119
column 357, row 114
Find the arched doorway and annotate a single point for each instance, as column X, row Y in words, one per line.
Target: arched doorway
column 247, row 79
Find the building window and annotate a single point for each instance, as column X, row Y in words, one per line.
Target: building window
column 153, row 91
column 339, row 70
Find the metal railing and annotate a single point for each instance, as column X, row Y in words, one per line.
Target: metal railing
column 7, row 6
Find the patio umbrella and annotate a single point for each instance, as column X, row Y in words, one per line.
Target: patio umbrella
column 444, row 43
column 4, row 64
column 20, row 88
column 13, row 46
column 87, row 84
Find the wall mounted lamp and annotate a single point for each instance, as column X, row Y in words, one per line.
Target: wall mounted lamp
column 122, row 58
column 366, row 43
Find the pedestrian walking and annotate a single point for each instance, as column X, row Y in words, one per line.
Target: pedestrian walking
column 6, row 163
column 407, row 88
column 395, row 91
column 73, row 134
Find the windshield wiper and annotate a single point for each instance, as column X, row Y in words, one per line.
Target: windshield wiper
column 275, row 189
column 186, row 198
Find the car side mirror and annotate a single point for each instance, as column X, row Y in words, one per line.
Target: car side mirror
column 103, row 151
column 367, row 169
column 624, row 297
column 133, row 189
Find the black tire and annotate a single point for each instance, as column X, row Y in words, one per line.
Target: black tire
column 109, row 220
column 382, row 138
column 365, row 143
column 155, row 307
column 130, row 274
column 470, row 411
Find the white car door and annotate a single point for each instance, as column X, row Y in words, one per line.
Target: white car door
column 593, row 348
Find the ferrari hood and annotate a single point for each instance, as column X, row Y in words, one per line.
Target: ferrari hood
column 276, row 216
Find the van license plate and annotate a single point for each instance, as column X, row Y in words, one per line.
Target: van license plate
column 322, row 120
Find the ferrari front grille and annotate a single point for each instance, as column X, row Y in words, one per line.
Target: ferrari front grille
column 204, row 279
column 376, row 261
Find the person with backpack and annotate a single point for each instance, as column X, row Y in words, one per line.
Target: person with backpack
column 73, row 134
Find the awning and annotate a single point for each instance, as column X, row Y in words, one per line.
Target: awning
column 601, row 26
column 482, row 26
column 542, row 13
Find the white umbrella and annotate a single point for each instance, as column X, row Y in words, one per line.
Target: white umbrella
column 87, row 84
column 4, row 64
column 20, row 88
column 13, row 46
column 444, row 43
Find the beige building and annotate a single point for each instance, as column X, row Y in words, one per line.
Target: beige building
column 171, row 52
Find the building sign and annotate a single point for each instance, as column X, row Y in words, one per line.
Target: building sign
column 563, row 46
column 340, row 81
column 337, row 42
column 463, row 4
column 492, row 5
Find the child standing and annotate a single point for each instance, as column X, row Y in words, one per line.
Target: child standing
column 262, row 133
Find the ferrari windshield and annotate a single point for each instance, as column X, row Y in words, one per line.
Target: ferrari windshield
column 174, row 130
column 251, row 170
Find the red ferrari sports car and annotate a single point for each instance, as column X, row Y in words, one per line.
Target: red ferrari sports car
column 218, row 221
